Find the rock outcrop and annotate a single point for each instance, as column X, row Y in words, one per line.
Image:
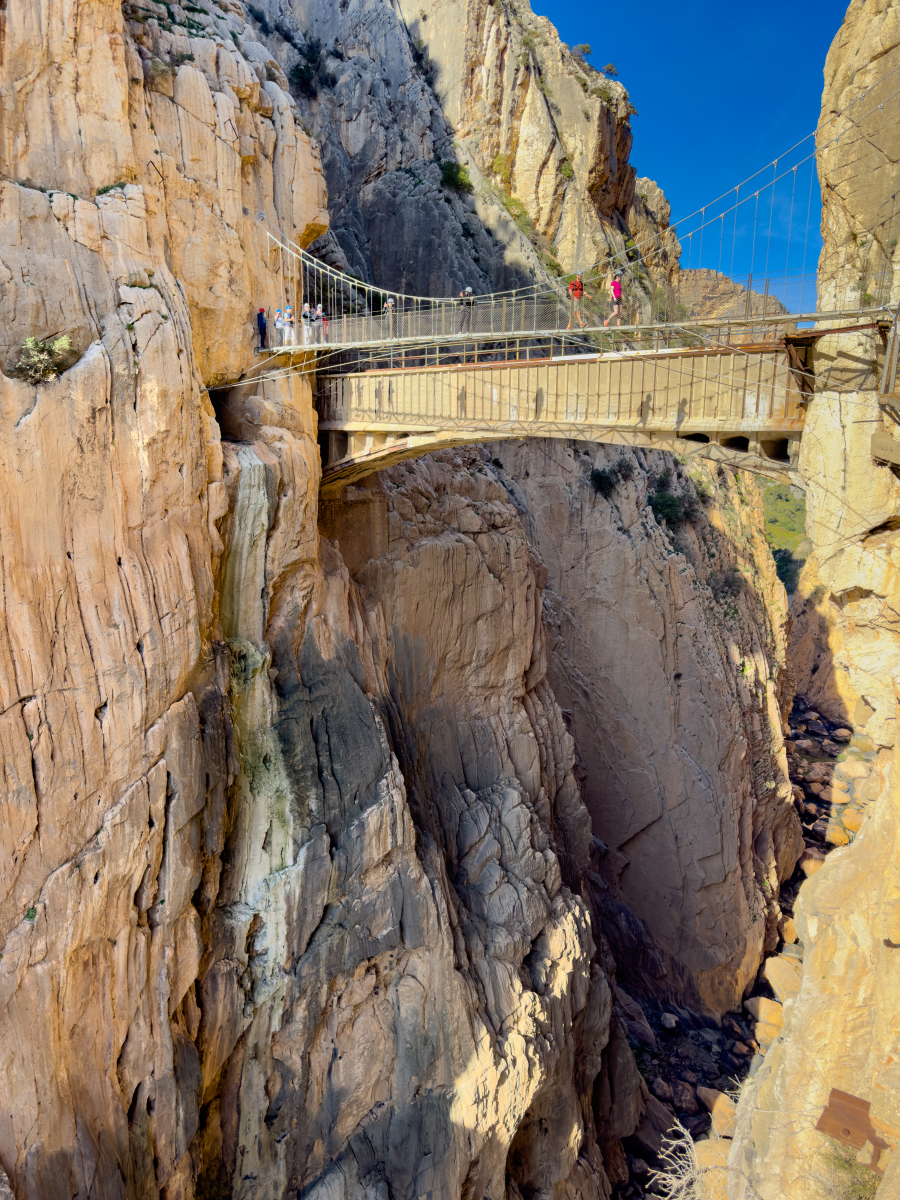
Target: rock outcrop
column 839, row 1028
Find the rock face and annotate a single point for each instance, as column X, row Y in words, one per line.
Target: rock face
column 290, row 891
column 654, row 635
column 707, row 295
column 390, row 91
column 846, row 649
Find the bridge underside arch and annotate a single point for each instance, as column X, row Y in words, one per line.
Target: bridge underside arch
column 349, row 457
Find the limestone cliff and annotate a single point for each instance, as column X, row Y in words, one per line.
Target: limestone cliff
column 655, row 635
column 290, row 891
column 391, row 91
column 840, row 1030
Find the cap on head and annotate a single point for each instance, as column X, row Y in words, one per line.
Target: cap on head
column 468, row 291
column 262, row 310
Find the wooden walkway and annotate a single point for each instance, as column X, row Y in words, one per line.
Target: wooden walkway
column 743, row 404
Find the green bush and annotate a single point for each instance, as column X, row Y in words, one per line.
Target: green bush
column 624, row 467
column 311, row 72
column 668, row 508
column 702, row 489
column 500, row 167
column 566, row 169
column 41, row 362
column 726, row 584
column 604, row 480
column 259, row 17
column 31, row 914
column 843, row 1176
column 455, row 176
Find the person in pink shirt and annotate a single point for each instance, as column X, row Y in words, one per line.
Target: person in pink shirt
column 615, row 290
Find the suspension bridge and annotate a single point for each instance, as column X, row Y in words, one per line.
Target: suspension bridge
column 695, row 361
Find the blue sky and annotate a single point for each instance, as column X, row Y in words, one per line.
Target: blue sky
column 721, row 89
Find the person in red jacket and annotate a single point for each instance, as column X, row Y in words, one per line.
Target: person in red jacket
column 576, row 295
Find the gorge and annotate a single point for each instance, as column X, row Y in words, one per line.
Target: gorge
column 440, row 837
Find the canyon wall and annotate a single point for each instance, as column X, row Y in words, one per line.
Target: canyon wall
column 301, row 893
column 238, row 955
column 667, row 650
column 392, row 91
column 840, row 1030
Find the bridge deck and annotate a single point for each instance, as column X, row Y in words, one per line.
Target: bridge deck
column 748, row 399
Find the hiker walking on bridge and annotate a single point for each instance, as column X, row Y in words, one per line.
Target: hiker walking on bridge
column 576, row 295
column 319, row 325
column 465, row 317
column 615, row 291
column 261, row 326
column 290, row 338
column 306, row 325
column 279, row 327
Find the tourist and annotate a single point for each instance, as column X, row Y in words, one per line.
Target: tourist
column 290, row 337
column 387, row 317
column 465, row 317
column 306, row 325
column 279, row 327
column 576, row 294
column 615, row 289
column 319, row 324
column 261, row 326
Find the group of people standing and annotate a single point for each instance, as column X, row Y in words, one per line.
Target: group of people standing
column 312, row 321
column 314, row 324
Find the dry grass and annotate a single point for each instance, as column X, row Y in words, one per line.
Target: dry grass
column 683, row 1177
column 840, row 1176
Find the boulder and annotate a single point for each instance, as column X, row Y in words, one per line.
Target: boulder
column 683, row 1098
column 712, row 1159
column 783, row 976
column 668, row 1021
column 635, row 1022
column 655, row 1125
column 842, row 735
column 765, row 1034
column 852, row 819
column 836, row 834
column 763, row 1009
column 660, row 1089
column 689, row 1077
column 787, row 929
column 811, row 861
column 721, row 1108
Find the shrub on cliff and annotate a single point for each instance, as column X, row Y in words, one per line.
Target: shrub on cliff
column 668, row 508
column 604, row 480
column 726, row 584
column 455, row 176
column 41, row 362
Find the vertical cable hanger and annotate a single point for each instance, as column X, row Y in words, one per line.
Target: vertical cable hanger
column 771, row 214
